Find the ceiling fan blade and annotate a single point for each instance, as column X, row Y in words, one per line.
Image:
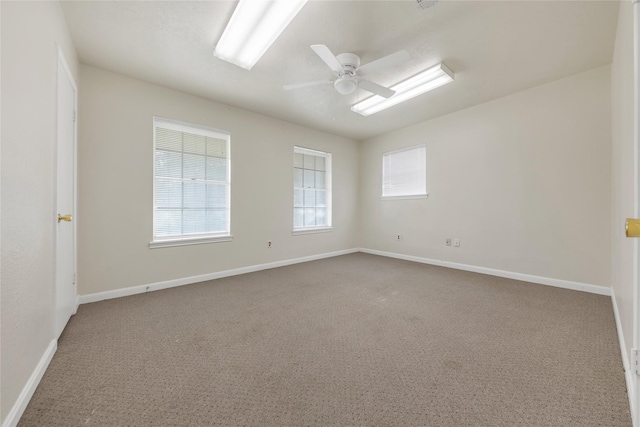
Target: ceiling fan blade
column 307, row 84
column 328, row 57
column 384, row 62
column 376, row 88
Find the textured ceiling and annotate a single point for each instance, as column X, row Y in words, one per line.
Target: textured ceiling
column 494, row 48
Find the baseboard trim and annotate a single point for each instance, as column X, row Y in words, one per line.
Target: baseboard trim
column 134, row 290
column 625, row 360
column 558, row 283
column 30, row 387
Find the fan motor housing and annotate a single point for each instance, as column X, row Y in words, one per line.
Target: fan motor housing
column 350, row 62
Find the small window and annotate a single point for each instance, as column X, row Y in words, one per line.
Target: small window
column 404, row 172
column 191, row 196
column 311, row 190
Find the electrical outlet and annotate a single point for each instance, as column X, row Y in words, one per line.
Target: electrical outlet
column 398, row 238
column 456, row 243
column 447, row 241
column 269, row 244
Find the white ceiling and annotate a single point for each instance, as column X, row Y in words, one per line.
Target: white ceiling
column 494, row 48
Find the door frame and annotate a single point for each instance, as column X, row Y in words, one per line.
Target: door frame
column 63, row 66
column 635, row 379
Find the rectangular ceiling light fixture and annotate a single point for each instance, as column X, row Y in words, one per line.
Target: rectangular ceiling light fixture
column 422, row 82
column 252, row 29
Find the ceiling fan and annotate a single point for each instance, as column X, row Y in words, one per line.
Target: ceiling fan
column 347, row 70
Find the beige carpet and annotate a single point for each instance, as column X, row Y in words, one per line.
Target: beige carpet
column 352, row 340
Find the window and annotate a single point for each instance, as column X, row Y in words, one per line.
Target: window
column 404, row 172
column 191, row 184
column 311, row 190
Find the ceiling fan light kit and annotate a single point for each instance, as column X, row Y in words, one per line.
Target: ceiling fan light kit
column 418, row 84
column 345, row 85
column 253, row 28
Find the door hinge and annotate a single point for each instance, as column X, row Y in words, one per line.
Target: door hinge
column 75, row 115
column 74, row 278
column 635, row 362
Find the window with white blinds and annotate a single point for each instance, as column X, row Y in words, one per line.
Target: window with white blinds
column 311, row 190
column 404, row 172
column 191, row 184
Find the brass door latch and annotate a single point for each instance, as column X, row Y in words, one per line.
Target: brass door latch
column 64, row 218
column 632, row 227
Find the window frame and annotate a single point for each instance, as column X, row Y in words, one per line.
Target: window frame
column 191, row 238
column 328, row 191
column 404, row 196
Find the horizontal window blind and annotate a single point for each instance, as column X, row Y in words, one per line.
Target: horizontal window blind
column 311, row 188
column 404, row 172
column 191, row 181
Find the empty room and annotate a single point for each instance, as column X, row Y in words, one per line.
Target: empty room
column 320, row 213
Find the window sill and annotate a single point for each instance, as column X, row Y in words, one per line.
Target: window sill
column 301, row 231
column 416, row 196
column 185, row 241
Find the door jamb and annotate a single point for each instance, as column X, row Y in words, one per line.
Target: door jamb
column 61, row 63
column 636, row 144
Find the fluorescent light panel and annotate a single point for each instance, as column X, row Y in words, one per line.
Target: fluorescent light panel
column 422, row 82
column 252, row 29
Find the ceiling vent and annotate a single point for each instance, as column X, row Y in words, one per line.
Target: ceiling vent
column 425, row 4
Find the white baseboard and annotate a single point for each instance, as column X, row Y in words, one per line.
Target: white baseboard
column 30, row 387
column 566, row 284
column 117, row 293
column 134, row 290
column 628, row 375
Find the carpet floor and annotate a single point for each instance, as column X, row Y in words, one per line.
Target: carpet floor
column 355, row 340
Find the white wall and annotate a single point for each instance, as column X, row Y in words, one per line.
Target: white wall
column 116, row 178
column 623, row 187
column 524, row 181
column 30, row 31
